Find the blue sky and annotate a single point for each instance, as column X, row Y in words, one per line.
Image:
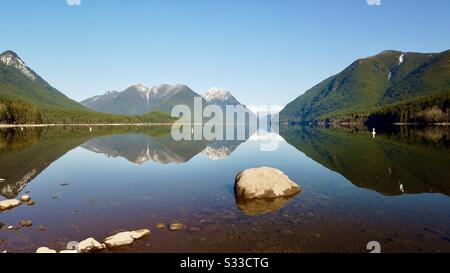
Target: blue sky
column 263, row 51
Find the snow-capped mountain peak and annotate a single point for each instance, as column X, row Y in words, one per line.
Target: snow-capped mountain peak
column 141, row 88
column 10, row 58
column 215, row 93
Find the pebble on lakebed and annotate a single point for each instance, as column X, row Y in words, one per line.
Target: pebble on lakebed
column 126, row 238
column 90, row 244
column 141, row 233
column 26, row 223
column 175, row 226
column 161, row 226
column 25, row 198
column 45, row 250
column 9, row 204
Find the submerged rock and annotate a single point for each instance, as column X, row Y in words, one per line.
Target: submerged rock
column 9, row 204
column 25, row 198
column 45, row 250
column 26, row 223
column 120, row 239
column 141, row 233
column 258, row 206
column 89, row 245
column 31, row 203
column 264, row 182
column 161, row 226
column 175, row 226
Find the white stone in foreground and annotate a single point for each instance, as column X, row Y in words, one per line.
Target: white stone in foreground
column 9, row 204
column 141, row 233
column 45, row 250
column 264, row 182
column 120, row 239
column 90, row 244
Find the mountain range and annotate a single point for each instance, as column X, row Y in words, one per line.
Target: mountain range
column 391, row 86
column 27, row 98
column 369, row 84
column 138, row 99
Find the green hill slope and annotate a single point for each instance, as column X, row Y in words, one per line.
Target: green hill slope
column 369, row 83
column 17, row 81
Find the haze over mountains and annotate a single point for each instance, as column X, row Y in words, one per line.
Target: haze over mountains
column 388, row 78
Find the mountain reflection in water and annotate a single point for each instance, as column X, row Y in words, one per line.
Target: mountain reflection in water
column 402, row 160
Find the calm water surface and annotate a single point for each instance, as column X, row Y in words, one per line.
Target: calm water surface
column 393, row 188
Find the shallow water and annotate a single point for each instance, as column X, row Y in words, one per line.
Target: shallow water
column 393, row 189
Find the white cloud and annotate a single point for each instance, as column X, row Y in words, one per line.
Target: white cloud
column 374, row 2
column 73, row 2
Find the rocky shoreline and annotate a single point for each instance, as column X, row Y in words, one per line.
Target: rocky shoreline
column 266, row 185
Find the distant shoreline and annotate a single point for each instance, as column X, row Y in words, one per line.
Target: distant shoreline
column 82, row 125
column 170, row 124
column 102, row 124
column 374, row 124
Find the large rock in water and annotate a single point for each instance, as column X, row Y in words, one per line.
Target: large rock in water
column 264, row 182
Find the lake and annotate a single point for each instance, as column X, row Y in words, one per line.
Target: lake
column 393, row 188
